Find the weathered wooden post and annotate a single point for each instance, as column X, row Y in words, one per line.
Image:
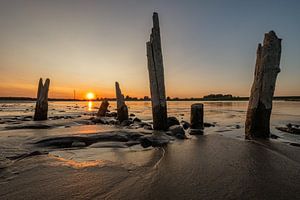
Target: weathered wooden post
column 156, row 77
column 41, row 108
column 197, row 124
column 262, row 91
column 103, row 108
column 122, row 109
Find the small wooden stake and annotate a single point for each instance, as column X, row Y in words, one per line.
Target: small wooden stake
column 103, row 108
column 122, row 109
column 197, row 124
column 262, row 91
column 41, row 108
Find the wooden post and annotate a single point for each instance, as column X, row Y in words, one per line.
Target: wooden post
column 197, row 124
column 103, row 108
column 122, row 109
column 156, row 77
column 41, row 108
column 262, row 91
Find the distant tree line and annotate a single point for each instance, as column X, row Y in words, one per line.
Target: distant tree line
column 127, row 98
column 219, row 97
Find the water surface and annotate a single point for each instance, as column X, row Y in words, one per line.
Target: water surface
column 227, row 115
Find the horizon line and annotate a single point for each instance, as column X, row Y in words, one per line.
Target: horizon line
column 147, row 99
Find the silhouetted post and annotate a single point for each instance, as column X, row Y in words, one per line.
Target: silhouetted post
column 41, row 108
column 122, row 109
column 262, row 91
column 156, row 77
column 197, row 124
column 103, row 108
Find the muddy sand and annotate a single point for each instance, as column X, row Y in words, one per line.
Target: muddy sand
column 201, row 167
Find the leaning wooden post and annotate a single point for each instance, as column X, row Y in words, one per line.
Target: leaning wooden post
column 122, row 109
column 156, row 77
column 41, row 108
column 262, row 91
column 103, row 108
column 197, row 124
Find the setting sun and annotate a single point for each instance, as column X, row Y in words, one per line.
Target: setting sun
column 90, row 96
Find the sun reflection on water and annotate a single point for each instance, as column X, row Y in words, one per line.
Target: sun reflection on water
column 90, row 105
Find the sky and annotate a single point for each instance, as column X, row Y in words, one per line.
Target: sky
column 87, row 45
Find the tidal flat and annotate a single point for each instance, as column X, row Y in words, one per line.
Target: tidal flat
column 71, row 156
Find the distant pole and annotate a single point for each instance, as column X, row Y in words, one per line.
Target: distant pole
column 74, row 94
column 260, row 103
column 156, row 77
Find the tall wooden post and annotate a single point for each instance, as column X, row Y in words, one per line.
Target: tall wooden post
column 262, row 91
column 41, row 108
column 122, row 109
column 156, row 77
column 103, row 108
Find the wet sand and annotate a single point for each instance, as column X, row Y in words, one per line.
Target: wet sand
column 69, row 157
column 204, row 167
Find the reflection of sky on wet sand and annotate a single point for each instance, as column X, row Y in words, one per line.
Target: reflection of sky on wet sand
column 90, row 157
column 76, row 164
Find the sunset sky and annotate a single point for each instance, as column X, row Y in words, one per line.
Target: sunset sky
column 87, row 45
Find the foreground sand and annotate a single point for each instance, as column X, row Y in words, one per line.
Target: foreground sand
column 204, row 167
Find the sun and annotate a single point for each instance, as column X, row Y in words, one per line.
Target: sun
column 90, row 96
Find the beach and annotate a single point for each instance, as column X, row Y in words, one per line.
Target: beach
column 149, row 100
column 219, row 164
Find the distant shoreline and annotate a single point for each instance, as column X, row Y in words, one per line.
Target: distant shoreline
column 282, row 98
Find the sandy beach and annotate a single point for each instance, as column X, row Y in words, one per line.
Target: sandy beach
column 209, row 167
column 72, row 158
